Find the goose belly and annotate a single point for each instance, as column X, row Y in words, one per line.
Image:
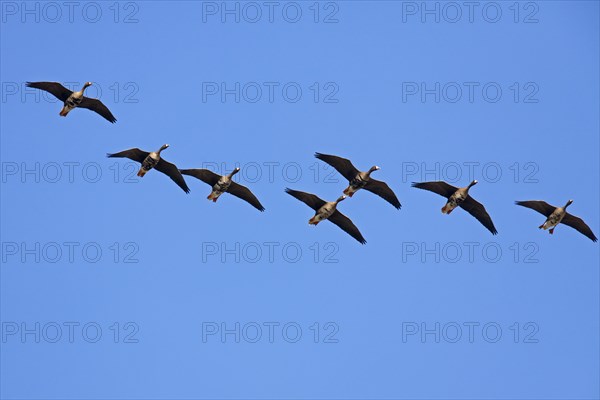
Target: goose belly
column 354, row 186
column 218, row 189
column 149, row 163
column 552, row 221
column 214, row 195
column 452, row 203
column 325, row 212
column 72, row 102
column 350, row 190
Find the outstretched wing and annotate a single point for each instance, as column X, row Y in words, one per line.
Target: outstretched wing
column 477, row 210
column 439, row 187
column 382, row 190
column 245, row 194
column 172, row 172
column 347, row 226
column 578, row 224
column 540, row 206
column 342, row 165
column 133, row 154
column 54, row 88
column 98, row 107
column 309, row 199
column 204, row 175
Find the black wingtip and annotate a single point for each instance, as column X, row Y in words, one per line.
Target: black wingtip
column 109, row 155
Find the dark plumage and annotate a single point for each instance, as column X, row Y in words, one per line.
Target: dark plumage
column 557, row 215
column 459, row 197
column 360, row 180
column 327, row 210
column 218, row 182
column 150, row 160
column 72, row 100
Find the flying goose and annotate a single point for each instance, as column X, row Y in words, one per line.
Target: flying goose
column 73, row 99
column 221, row 184
column 459, row 197
column 360, row 180
column 327, row 210
column 153, row 160
column 556, row 215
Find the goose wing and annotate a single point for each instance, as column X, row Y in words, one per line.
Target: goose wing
column 98, row 107
column 244, row 193
column 172, row 172
column 439, row 187
column 540, row 206
column 477, row 210
column 578, row 224
column 347, row 226
column 54, row 88
column 342, row 165
column 133, row 154
column 310, row 200
column 204, row 175
column 382, row 190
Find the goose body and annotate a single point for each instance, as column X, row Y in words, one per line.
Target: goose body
column 72, row 100
column 360, row 179
column 555, row 218
column 153, row 160
column 459, row 197
column 556, row 215
column 221, row 184
column 327, row 211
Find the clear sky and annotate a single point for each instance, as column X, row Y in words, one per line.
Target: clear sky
column 118, row 287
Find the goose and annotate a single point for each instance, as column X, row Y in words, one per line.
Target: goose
column 73, row 99
column 221, row 184
column 556, row 215
column 360, row 180
column 459, row 197
column 328, row 210
column 153, row 160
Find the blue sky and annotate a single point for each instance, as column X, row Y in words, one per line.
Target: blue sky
column 146, row 278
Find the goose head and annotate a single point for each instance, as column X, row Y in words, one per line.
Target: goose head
column 235, row 171
column 86, row 85
column 341, row 198
column 568, row 204
column 472, row 183
column 163, row 147
column 373, row 168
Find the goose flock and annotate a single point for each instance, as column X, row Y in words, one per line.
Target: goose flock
column 324, row 210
